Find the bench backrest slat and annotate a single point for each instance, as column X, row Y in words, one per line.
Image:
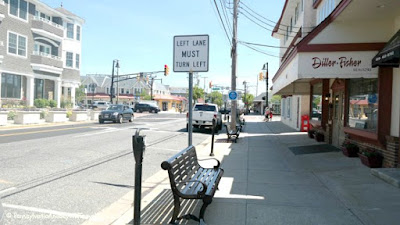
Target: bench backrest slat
column 181, row 166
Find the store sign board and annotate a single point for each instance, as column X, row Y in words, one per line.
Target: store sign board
column 332, row 64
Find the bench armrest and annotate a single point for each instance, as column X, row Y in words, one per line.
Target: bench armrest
column 200, row 193
column 215, row 167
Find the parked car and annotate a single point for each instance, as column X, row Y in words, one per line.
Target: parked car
column 203, row 115
column 100, row 105
column 117, row 114
column 146, row 107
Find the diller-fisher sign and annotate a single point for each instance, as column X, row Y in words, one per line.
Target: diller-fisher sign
column 191, row 53
column 336, row 64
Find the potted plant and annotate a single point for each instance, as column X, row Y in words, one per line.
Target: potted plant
column 28, row 115
column 319, row 136
column 371, row 158
column 311, row 133
column 349, row 149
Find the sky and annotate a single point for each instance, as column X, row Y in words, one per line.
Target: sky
column 140, row 35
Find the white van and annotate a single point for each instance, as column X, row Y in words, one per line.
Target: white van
column 100, row 105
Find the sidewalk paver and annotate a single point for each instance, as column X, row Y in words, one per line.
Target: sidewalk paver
column 265, row 183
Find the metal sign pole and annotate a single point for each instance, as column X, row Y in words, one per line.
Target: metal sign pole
column 190, row 126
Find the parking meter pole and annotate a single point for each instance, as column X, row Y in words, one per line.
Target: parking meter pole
column 190, row 125
column 225, row 110
column 138, row 143
column 212, row 138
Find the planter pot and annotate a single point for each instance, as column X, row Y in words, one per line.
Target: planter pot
column 27, row 117
column 79, row 116
column 372, row 161
column 319, row 137
column 3, row 118
column 56, row 116
column 94, row 115
column 350, row 152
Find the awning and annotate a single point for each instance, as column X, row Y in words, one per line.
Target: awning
column 389, row 56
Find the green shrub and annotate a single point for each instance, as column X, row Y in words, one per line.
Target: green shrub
column 53, row 103
column 66, row 104
column 41, row 103
column 43, row 114
column 69, row 113
column 11, row 115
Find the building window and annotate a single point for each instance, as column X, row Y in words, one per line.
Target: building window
column 70, row 30
column 42, row 49
column 289, row 106
column 291, row 25
column 122, row 90
column 78, row 33
column 363, row 104
column 39, row 88
column 108, row 90
column 296, row 13
column 316, row 113
column 283, row 106
column 10, row 86
column 77, row 58
column 16, row 44
column 19, row 8
column 69, row 59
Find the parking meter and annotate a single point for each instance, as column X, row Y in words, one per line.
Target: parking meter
column 214, row 123
column 139, row 146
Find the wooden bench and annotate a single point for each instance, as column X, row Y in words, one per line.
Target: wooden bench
column 232, row 133
column 191, row 181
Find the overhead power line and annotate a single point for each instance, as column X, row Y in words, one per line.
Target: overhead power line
column 263, row 45
column 258, row 50
column 223, row 25
column 268, row 29
column 274, row 22
column 228, row 22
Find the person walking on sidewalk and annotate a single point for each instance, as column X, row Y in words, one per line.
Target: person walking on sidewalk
column 267, row 114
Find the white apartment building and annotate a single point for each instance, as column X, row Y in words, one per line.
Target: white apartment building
column 40, row 52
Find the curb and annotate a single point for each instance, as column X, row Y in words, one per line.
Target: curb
column 389, row 175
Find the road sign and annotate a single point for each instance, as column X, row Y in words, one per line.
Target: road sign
column 191, row 53
column 233, row 95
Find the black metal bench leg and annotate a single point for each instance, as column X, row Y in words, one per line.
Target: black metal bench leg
column 177, row 208
column 206, row 202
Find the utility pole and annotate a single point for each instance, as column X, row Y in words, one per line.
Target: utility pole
column 234, row 56
column 265, row 67
column 246, row 103
column 204, row 88
column 151, row 88
column 117, row 65
column 257, row 88
column 112, row 83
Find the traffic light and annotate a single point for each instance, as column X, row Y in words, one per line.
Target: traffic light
column 210, row 84
column 260, row 76
column 166, row 70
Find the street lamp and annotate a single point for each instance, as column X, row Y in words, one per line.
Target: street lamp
column 92, row 87
column 265, row 67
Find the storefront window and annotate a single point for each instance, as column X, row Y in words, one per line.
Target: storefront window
column 316, row 113
column 363, row 104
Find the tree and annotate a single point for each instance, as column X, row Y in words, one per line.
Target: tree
column 145, row 96
column 80, row 93
column 197, row 93
column 216, row 98
column 276, row 98
column 248, row 98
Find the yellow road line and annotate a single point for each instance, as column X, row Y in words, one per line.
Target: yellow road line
column 5, row 182
column 42, row 131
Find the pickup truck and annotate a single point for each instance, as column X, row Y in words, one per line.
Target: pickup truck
column 203, row 115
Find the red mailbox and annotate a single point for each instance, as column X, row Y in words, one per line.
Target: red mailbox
column 305, row 123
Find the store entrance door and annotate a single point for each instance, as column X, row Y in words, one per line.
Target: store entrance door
column 338, row 118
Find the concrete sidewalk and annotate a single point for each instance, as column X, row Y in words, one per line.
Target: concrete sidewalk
column 270, row 179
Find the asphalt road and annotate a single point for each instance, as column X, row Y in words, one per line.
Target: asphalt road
column 64, row 174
